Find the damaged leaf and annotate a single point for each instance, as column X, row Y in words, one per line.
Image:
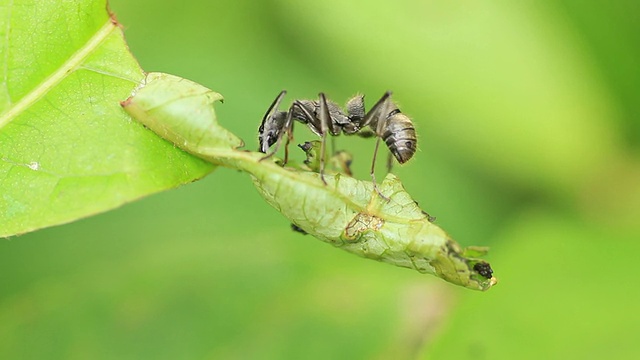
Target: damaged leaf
column 346, row 212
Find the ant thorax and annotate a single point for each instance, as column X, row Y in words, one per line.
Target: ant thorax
column 338, row 118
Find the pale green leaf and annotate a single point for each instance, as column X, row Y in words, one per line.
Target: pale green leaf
column 165, row 97
column 67, row 150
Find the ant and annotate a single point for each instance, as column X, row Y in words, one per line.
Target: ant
column 324, row 117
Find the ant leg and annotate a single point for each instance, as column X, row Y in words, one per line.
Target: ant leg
column 373, row 171
column 378, row 116
column 333, row 145
column 373, row 164
column 322, row 156
column 325, row 122
column 371, row 117
column 286, row 145
column 323, row 127
column 307, row 118
column 389, row 162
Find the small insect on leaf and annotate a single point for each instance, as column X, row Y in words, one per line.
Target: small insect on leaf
column 340, row 162
column 380, row 222
column 295, row 228
column 484, row 269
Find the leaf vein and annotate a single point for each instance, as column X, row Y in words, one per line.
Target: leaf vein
column 56, row 77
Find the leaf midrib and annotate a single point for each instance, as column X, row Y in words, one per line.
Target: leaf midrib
column 222, row 157
column 57, row 76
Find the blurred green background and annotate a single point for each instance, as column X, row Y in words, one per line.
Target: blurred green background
column 529, row 136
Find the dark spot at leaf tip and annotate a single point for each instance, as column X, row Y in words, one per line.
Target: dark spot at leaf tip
column 484, row 269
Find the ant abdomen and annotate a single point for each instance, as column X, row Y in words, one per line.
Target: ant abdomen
column 400, row 136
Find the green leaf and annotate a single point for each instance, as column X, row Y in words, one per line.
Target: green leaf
column 345, row 212
column 67, row 150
